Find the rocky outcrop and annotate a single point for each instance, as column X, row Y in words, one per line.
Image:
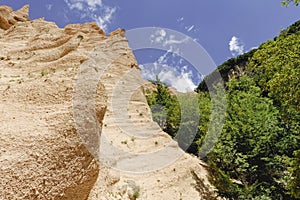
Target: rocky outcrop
column 237, row 72
column 9, row 18
column 41, row 154
column 45, row 154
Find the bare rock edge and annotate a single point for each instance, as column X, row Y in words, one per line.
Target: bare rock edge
column 41, row 153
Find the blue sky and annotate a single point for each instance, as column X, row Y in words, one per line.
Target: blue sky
column 224, row 28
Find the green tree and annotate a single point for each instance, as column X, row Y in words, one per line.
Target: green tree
column 210, row 132
column 294, row 181
column 257, row 155
column 177, row 115
column 187, row 134
column 244, row 155
column 275, row 69
column 165, row 108
column 288, row 2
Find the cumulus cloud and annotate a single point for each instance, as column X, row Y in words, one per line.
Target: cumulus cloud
column 181, row 80
column 170, row 67
column 171, row 70
column 94, row 10
column 236, row 46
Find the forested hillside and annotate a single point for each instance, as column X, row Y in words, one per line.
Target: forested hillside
column 257, row 155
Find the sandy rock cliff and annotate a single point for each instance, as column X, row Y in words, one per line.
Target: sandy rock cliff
column 42, row 151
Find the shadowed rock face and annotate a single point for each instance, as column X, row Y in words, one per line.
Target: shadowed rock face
column 42, row 154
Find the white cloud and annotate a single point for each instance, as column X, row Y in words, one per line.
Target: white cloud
column 173, row 73
column 190, row 28
column 172, row 40
column 187, row 27
column 161, row 36
column 182, row 82
column 93, row 9
column 79, row 4
column 180, row 19
column 169, row 68
column 94, row 3
column 49, row 6
column 158, row 36
column 236, row 46
column 163, row 59
column 104, row 20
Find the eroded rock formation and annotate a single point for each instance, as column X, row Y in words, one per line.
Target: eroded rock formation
column 42, row 155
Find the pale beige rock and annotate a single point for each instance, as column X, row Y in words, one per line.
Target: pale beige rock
column 182, row 177
column 41, row 154
column 8, row 17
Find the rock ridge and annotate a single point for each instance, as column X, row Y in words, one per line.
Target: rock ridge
column 42, row 156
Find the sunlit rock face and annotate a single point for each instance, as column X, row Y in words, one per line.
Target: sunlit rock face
column 43, row 154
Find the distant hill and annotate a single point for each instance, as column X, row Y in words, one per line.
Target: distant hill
column 235, row 67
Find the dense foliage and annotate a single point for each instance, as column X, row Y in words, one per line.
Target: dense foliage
column 175, row 114
column 287, row 2
column 165, row 107
column 257, row 155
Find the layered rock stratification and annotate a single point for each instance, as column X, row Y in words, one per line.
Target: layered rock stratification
column 42, row 155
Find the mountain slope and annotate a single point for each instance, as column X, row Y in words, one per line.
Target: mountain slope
column 257, row 154
column 43, row 129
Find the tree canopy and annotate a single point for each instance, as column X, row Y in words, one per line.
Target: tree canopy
column 257, row 155
column 288, row 2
